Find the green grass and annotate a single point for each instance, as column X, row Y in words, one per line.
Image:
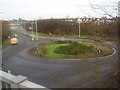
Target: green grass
column 51, row 54
column 5, row 43
column 88, row 43
column 113, row 39
column 0, row 46
column 47, row 50
column 51, row 48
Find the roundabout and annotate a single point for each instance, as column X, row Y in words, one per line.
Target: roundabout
column 60, row 72
column 71, row 50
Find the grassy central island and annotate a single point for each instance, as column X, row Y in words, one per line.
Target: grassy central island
column 68, row 49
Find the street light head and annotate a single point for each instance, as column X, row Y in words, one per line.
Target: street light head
column 79, row 20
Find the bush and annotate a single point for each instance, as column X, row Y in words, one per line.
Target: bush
column 75, row 48
column 63, row 42
column 42, row 51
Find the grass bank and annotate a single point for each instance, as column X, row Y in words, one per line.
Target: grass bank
column 5, row 43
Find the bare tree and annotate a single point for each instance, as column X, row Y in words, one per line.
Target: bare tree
column 105, row 9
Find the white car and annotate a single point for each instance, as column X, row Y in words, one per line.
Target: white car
column 15, row 35
column 30, row 35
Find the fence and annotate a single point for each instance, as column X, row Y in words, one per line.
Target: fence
column 17, row 81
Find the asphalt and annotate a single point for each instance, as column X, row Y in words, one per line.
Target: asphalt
column 55, row 73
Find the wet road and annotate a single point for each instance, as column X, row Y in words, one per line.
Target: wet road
column 55, row 73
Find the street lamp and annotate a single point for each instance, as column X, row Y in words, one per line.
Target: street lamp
column 31, row 28
column 32, row 32
column 24, row 24
column 20, row 26
column 36, row 30
column 79, row 21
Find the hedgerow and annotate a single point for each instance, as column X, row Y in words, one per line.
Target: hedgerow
column 75, row 48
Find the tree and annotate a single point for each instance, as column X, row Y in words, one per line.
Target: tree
column 5, row 30
column 105, row 9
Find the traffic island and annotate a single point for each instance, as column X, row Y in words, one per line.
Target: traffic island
column 71, row 50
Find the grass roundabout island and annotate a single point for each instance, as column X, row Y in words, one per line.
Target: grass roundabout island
column 70, row 50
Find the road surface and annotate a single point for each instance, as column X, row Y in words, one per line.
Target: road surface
column 55, row 73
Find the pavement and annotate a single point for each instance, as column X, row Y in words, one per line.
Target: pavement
column 56, row 73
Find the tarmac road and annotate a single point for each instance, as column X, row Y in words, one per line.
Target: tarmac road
column 56, row 73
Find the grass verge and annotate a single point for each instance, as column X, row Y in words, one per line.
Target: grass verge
column 5, row 43
column 81, row 37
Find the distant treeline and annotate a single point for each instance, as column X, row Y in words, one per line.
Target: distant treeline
column 5, row 30
column 65, row 27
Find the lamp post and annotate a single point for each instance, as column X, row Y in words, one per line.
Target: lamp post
column 36, row 30
column 79, row 21
column 22, row 24
column 32, row 32
column 31, row 28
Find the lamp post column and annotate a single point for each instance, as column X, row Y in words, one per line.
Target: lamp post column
column 79, row 29
column 79, row 21
column 36, row 30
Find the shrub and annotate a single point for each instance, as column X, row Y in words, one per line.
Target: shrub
column 75, row 48
column 62, row 42
column 42, row 51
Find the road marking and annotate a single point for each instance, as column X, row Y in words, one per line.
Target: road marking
column 110, row 54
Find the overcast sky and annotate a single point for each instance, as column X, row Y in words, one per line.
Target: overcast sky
column 35, row 9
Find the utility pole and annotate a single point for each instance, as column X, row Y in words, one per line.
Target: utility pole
column 79, row 29
column 32, row 32
column 23, row 27
column 36, row 30
column 32, row 29
column 79, row 21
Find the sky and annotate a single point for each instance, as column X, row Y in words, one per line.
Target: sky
column 41, row 9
